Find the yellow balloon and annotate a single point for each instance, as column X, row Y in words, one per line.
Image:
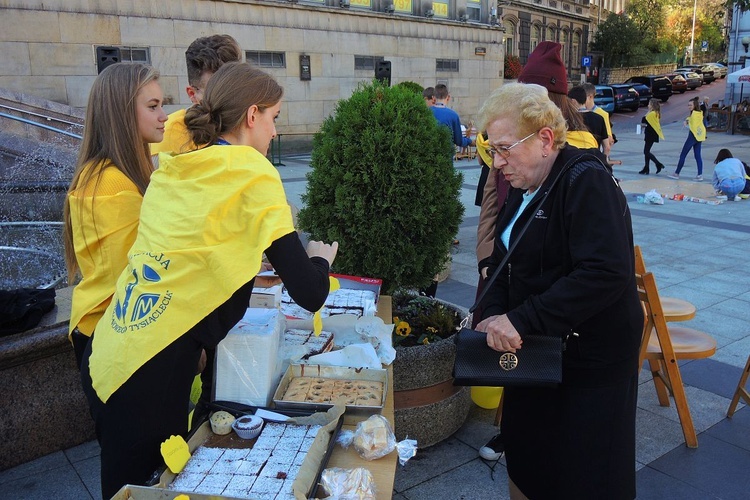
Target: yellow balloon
column 486, row 397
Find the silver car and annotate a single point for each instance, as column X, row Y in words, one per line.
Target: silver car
column 694, row 80
column 720, row 71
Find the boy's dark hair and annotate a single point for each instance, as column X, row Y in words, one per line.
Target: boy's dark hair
column 578, row 93
column 429, row 93
column 209, row 53
column 441, row 91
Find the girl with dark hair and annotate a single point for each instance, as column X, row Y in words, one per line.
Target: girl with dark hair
column 207, row 218
column 112, row 172
column 729, row 176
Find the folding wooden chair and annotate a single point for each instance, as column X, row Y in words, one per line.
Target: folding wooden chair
column 674, row 309
column 741, row 391
column 662, row 346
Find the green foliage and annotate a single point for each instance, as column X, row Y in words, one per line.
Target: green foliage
column 413, row 86
column 383, row 185
column 620, row 39
column 421, row 320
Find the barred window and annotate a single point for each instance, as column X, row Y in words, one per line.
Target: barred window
column 266, row 59
column 366, row 62
column 135, row 54
column 446, row 65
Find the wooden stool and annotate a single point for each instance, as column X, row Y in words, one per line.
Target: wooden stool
column 741, row 392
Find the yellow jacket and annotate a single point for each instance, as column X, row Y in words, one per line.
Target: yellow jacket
column 104, row 216
column 176, row 136
column 207, row 217
column 695, row 122
column 599, row 111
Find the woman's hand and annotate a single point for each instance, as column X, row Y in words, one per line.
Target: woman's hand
column 320, row 249
column 501, row 334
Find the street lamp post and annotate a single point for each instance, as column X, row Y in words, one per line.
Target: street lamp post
column 692, row 36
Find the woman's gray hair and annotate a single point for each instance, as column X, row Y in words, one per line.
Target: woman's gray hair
column 529, row 106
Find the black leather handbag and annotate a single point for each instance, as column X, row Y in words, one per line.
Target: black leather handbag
column 537, row 364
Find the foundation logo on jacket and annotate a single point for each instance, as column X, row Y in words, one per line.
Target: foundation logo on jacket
column 140, row 308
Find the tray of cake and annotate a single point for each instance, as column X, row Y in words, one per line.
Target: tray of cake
column 317, row 388
column 357, row 296
column 283, row 461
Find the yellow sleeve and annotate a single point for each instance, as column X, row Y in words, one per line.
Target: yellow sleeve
column 176, row 136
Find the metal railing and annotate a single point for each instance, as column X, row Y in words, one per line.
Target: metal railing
column 40, row 125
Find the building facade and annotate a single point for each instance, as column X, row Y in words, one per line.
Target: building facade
column 318, row 50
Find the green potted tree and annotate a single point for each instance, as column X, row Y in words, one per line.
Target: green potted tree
column 383, row 185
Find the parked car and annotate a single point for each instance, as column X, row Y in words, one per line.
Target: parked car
column 605, row 98
column 706, row 72
column 720, row 71
column 626, row 97
column 659, row 86
column 644, row 93
column 694, row 80
column 679, row 83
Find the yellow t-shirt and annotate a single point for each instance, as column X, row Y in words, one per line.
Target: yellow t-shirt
column 104, row 216
column 599, row 111
column 176, row 136
column 206, row 219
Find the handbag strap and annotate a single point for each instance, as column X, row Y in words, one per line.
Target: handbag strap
column 513, row 245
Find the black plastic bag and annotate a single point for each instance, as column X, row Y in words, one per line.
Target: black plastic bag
column 23, row 308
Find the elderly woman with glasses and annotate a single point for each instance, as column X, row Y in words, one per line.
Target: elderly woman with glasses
column 571, row 275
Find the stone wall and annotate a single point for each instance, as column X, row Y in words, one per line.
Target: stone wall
column 49, row 48
column 619, row 75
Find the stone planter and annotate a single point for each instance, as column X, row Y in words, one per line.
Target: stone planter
column 428, row 407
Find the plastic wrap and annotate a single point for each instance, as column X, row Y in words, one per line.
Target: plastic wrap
column 248, row 367
column 374, row 438
column 348, row 484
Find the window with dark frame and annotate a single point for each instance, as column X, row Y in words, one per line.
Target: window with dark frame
column 135, row 54
column 264, row 59
column 366, row 62
column 446, row 65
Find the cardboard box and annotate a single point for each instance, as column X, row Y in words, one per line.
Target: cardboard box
column 307, row 479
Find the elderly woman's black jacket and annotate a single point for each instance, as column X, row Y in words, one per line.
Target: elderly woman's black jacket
column 573, row 271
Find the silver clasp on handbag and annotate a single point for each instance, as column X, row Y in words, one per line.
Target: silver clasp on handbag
column 466, row 322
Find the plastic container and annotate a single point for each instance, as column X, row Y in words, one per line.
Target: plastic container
column 248, row 426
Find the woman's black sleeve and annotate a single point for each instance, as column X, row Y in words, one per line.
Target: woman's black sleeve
column 305, row 278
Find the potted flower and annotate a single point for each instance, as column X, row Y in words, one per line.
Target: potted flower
column 383, row 185
column 424, row 334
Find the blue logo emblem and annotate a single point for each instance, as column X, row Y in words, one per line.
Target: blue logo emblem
column 144, row 302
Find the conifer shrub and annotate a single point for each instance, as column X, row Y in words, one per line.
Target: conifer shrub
column 383, row 185
column 413, row 86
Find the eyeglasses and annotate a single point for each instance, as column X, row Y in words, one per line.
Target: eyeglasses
column 504, row 151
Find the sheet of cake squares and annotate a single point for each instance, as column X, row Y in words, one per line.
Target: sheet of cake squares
column 342, row 301
column 265, row 471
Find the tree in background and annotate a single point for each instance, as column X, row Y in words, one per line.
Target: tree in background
column 709, row 21
column 619, row 38
column 656, row 31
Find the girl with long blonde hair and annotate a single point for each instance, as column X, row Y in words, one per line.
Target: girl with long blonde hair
column 124, row 114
